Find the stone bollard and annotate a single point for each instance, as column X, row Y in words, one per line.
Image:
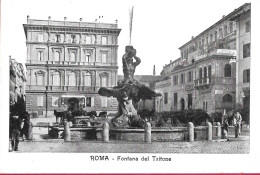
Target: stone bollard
column 66, row 131
column 209, row 131
column 30, row 133
column 147, row 132
column 218, row 130
column 224, row 133
column 191, row 131
column 50, row 125
column 105, row 132
column 58, row 120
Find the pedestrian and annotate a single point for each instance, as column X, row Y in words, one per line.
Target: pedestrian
column 25, row 128
column 15, row 125
column 239, row 122
column 225, row 124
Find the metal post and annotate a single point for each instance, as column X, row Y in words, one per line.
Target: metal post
column 66, row 131
column 148, row 132
column 105, row 132
column 218, row 131
column 191, row 131
column 209, row 131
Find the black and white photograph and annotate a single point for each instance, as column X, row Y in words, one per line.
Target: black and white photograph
column 162, row 86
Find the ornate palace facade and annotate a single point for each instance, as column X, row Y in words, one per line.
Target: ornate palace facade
column 207, row 75
column 66, row 64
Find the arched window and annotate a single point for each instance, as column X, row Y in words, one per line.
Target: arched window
column 56, row 79
column 209, row 73
column 40, row 78
column 87, row 79
column 57, row 56
column 205, row 74
column 104, row 79
column 72, row 79
column 200, row 76
column 227, row 71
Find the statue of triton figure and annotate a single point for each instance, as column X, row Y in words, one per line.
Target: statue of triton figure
column 128, row 92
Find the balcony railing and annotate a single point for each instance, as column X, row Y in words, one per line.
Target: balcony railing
column 63, row 88
column 189, row 87
column 70, row 63
column 214, row 80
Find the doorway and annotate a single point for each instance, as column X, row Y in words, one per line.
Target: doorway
column 73, row 104
column 182, row 104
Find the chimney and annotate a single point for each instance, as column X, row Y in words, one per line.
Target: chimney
column 192, row 37
column 80, row 19
column 154, row 70
column 49, row 18
column 223, row 16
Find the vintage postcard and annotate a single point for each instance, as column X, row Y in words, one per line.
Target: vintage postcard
column 161, row 86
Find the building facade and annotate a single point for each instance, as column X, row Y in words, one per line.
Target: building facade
column 243, row 41
column 205, row 75
column 17, row 81
column 67, row 62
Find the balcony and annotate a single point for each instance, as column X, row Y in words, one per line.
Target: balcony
column 92, row 89
column 206, row 82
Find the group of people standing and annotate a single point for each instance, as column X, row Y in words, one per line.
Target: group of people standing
column 236, row 122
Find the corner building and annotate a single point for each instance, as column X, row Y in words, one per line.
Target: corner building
column 67, row 63
column 208, row 74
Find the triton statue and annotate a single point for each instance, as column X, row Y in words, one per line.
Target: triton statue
column 128, row 92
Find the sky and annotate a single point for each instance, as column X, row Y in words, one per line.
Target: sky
column 160, row 27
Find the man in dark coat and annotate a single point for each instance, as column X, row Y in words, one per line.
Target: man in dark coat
column 15, row 131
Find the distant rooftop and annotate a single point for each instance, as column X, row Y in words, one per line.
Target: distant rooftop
column 71, row 23
column 145, row 78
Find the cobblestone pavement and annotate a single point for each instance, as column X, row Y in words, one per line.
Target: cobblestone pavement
column 233, row 145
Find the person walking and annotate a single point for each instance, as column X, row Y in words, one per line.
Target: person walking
column 239, row 122
column 15, row 125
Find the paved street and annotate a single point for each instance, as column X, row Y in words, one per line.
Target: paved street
column 239, row 145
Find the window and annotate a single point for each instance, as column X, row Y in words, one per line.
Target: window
column 54, row 101
column 57, row 56
column 190, row 76
column 200, row 76
column 189, row 101
column 58, row 39
column 87, row 79
column 40, row 37
column 73, row 56
column 40, row 55
column 227, row 71
column 209, row 73
column 87, row 57
column 73, row 38
column 104, row 81
column 182, row 78
column 104, row 40
column 225, row 31
column 88, row 102
column 39, row 100
column 246, row 76
column 88, row 39
column 205, row 106
column 246, row 50
column 231, row 27
column 104, row 57
column 248, row 26
column 56, row 79
column 39, row 79
column 192, row 61
column 165, row 97
column 72, row 79
column 175, row 79
column 211, row 37
column 216, row 35
column 103, row 102
column 220, row 33
column 175, row 102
